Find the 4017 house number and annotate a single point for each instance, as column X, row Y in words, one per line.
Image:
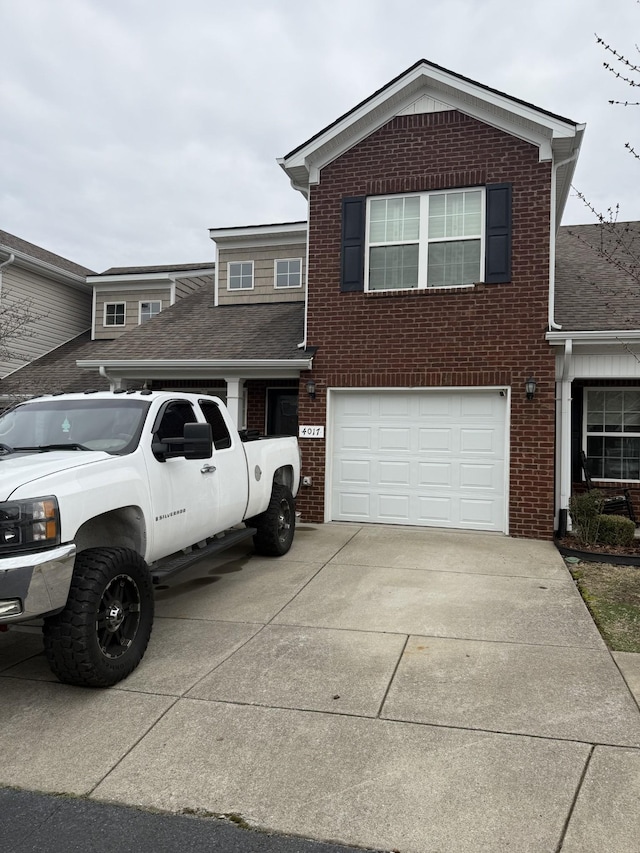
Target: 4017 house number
column 311, row 432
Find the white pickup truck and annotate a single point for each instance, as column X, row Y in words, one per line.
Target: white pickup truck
column 104, row 494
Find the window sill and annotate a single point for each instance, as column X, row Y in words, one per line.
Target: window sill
column 425, row 291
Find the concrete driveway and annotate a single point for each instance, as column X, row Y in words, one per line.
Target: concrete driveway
column 414, row 690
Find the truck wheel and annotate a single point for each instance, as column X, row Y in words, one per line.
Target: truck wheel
column 276, row 525
column 101, row 635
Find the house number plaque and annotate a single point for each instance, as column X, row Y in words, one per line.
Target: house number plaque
column 311, row 432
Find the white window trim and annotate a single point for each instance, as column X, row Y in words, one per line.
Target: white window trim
column 114, row 325
column 149, row 302
column 586, row 434
column 275, row 274
column 424, row 241
column 240, row 289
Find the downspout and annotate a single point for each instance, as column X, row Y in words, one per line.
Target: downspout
column 565, row 438
column 4, row 264
column 305, row 190
column 114, row 384
column 552, row 240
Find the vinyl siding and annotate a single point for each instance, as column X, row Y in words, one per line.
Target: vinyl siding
column 186, row 286
column 62, row 313
column 132, row 299
column 264, row 289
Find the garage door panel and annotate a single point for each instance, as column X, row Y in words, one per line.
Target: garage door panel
column 480, row 477
column 474, row 513
column 435, row 474
column 393, row 508
column 396, row 472
column 355, row 438
column 394, row 438
column 355, row 505
column 444, row 466
column 477, row 441
column 355, row 471
column 435, row 511
column 432, row 440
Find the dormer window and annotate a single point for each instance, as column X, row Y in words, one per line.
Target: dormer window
column 288, row 273
column 147, row 310
column 114, row 313
column 240, row 275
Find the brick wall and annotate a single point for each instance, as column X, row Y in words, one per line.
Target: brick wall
column 485, row 335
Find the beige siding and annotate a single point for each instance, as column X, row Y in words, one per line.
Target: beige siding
column 185, row 286
column 132, row 299
column 62, row 313
column 264, row 289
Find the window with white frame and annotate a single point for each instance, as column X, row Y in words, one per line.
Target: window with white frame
column 288, row 273
column 149, row 310
column 612, row 432
column 425, row 240
column 114, row 313
column 240, row 275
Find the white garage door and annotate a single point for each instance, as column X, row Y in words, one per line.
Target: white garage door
column 430, row 458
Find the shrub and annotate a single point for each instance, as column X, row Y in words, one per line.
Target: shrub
column 615, row 530
column 585, row 510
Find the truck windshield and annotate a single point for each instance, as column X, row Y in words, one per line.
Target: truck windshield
column 88, row 424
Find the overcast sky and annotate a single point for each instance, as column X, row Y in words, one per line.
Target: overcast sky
column 130, row 127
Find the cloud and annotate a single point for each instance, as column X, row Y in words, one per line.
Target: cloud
column 131, row 127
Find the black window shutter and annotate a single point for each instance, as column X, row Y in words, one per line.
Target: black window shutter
column 498, row 234
column 352, row 261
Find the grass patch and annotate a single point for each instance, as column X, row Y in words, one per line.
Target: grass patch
column 612, row 594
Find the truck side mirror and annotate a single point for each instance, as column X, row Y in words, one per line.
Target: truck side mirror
column 198, row 441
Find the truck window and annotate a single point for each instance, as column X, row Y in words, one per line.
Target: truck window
column 175, row 416
column 213, row 416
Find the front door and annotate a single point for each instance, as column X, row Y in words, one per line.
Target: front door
column 282, row 411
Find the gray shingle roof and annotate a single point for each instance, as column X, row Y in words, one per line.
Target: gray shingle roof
column 592, row 293
column 57, row 371
column 168, row 268
column 11, row 243
column 194, row 329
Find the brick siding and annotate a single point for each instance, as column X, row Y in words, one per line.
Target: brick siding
column 480, row 336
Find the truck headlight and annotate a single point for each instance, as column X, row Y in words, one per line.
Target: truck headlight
column 29, row 524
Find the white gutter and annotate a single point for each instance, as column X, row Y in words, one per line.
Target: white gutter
column 114, row 384
column 591, row 337
column 552, row 239
column 71, row 278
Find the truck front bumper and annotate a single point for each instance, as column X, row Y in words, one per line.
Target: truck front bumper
column 36, row 584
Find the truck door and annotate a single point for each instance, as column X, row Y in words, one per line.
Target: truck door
column 231, row 467
column 184, row 492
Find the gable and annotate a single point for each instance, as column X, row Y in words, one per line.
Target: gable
column 426, row 87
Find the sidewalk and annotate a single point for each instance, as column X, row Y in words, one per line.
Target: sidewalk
column 394, row 688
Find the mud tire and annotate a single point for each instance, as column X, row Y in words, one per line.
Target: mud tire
column 101, row 635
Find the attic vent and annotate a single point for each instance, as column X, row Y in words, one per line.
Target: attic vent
column 425, row 104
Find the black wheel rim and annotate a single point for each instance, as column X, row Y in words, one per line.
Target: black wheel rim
column 284, row 521
column 118, row 616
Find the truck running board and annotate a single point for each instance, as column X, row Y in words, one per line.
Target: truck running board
column 167, row 571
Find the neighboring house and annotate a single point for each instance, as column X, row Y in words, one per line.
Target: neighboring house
column 444, row 348
column 239, row 338
column 126, row 297
column 51, row 288
column 597, row 346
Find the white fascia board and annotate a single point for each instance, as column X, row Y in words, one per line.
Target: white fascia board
column 390, row 101
column 79, row 282
column 259, row 235
column 196, row 368
column 118, row 286
column 124, row 278
column 593, row 337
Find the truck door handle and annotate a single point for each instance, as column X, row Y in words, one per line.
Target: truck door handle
column 208, row 469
